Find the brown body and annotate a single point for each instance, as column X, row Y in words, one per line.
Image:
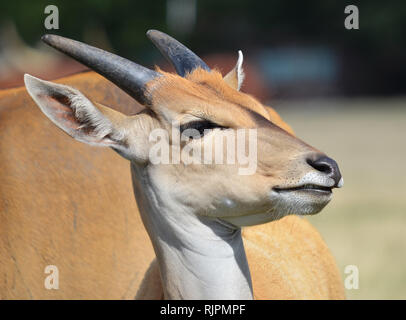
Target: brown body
column 67, row 204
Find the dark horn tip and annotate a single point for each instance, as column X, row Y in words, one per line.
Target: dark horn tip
column 182, row 58
column 51, row 39
column 155, row 36
column 151, row 32
column 46, row 37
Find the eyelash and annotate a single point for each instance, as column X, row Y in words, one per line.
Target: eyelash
column 199, row 126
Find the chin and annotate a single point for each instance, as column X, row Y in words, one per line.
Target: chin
column 301, row 202
column 284, row 203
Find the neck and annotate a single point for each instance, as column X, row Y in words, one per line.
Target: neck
column 198, row 257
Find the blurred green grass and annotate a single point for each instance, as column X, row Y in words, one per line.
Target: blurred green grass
column 365, row 223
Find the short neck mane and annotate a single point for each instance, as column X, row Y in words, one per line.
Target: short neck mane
column 198, row 257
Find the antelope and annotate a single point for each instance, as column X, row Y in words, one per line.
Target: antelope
column 215, row 234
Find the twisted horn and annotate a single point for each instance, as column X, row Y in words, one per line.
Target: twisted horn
column 124, row 73
column 183, row 59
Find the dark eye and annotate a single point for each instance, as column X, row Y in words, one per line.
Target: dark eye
column 196, row 129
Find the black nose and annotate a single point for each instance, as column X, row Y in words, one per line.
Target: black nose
column 326, row 165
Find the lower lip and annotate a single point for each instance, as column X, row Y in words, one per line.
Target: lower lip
column 318, row 192
column 315, row 191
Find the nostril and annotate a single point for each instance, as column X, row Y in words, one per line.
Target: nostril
column 320, row 166
column 326, row 165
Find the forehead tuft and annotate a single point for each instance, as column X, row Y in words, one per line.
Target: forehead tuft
column 205, row 93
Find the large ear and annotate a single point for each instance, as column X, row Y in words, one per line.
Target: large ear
column 75, row 114
column 236, row 76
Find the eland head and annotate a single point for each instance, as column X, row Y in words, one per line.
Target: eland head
column 206, row 159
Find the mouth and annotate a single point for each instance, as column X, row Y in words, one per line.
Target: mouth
column 306, row 188
column 305, row 199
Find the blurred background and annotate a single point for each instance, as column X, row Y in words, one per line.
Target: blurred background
column 341, row 90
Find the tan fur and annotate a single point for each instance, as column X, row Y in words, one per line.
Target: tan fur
column 208, row 96
column 70, row 205
column 288, row 259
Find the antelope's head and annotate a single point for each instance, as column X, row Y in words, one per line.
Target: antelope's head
column 182, row 141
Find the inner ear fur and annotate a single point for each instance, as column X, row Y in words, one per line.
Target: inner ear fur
column 74, row 113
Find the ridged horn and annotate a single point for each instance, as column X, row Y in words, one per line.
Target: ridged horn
column 183, row 59
column 124, row 73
